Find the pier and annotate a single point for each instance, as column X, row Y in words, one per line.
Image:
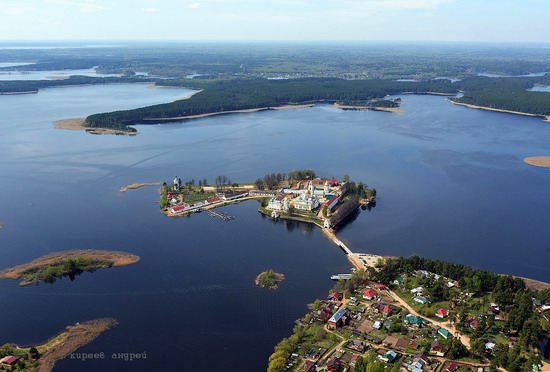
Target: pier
column 220, row 215
column 341, row 276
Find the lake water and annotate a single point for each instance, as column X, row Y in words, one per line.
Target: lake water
column 540, row 88
column 450, row 180
column 48, row 75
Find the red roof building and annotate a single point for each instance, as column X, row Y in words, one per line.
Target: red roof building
column 472, row 323
column 309, row 366
column 335, row 295
column 387, row 310
column 214, row 199
column 333, row 365
column 180, row 208
column 9, row 360
column 332, row 203
column 442, row 313
column 380, row 287
column 369, row 294
column 451, row 367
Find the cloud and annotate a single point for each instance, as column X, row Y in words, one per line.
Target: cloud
column 14, row 8
column 84, row 6
column 394, row 4
column 150, row 10
column 194, row 5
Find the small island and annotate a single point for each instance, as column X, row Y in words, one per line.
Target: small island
column 68, row 263
column 538, row 161
column 43, row 357
column 269, row 279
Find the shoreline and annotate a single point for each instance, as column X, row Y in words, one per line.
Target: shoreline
column 199, row 116
column 77, row 124
column 538, row 161
column 364, row 260
column 545, row 117
column 358, row 107
column 68, row 341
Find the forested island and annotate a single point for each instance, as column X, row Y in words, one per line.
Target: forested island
column 69, row 263
column 269, row 279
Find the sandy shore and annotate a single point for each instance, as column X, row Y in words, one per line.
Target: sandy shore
column 78, row 124
column 189, row 117
column 538, row 161
column 432, row 93
column 117, row 258
column 547, row 118
column 138, row 185
column 74, row 337
column 358, row 107
column 14, row 93
column 535, row 285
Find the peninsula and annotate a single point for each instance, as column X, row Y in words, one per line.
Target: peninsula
column 218, row 96
column 68, row 263
column 420, row 314
column 134, row 186
column 43, row 357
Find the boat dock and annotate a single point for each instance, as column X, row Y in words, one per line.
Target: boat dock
column 341, row 276
column 220, row 215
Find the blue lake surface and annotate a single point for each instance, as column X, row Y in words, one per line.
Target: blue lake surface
column 451, row 183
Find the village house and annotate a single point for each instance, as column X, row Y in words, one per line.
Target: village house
column 389, row 357
column 369, row 294
column 421, row 300
column 442, row 313
column 472, row 323
column 414, row 320
column 451, row 367
column 333, row 365
column 338, row 319
column 436, row 348
column 444, row 333
column 399, row 280
column 309, row 366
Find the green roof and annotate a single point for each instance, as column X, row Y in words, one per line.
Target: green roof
column 443, row 332
column 414, row 319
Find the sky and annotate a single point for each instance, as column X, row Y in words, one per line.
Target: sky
column 297, row 20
